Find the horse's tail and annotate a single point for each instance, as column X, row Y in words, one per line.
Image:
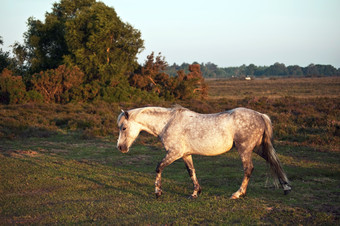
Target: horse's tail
column 269, row 154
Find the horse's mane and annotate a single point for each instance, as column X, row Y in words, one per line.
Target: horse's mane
column 133, row 113
column 179, row 108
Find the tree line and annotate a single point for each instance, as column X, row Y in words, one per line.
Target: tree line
column 211, row 70
column 84, row 52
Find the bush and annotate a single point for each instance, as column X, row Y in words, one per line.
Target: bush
column 12, row 88
column 151, row 78
column 54, row 85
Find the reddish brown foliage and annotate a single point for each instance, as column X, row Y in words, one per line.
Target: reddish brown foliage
column 146, row 77
column 12, row 88
column 52, row 84
column 152, row 78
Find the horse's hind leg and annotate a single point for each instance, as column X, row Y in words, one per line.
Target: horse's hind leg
column 191, row 170
column 248, row 168
column 167, row 160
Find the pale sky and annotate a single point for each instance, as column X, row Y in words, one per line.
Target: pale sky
column 224, row 32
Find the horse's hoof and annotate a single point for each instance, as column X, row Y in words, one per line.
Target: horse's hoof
column 237, row 195
column 158, row 194
column 234, row 197
column 193, row 197
column 286, row 192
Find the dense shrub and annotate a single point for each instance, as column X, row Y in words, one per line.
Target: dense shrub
column 151, row 78
column 55, row 84
column 13, row 90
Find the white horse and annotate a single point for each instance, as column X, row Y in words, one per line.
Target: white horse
column 185, row 133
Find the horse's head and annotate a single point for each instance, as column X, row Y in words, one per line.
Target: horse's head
column 128, row 131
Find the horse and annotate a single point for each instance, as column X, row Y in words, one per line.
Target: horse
column 184, row 133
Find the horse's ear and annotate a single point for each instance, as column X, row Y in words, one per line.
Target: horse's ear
column 126, row 114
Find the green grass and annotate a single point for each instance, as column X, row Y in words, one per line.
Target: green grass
column 67, row 179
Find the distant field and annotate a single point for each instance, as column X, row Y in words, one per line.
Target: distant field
column 59, row 163
column 275, row 87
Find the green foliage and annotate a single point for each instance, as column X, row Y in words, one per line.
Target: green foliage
column 4, row 57
column 45, row 42
column 102, row 45
column 19, row 62
column 87, row 34
column 34, row 96
column 79, row 34
column 211, row 70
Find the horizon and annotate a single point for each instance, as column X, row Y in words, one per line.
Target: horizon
column 205, row 63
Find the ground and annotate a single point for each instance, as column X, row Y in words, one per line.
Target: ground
column 59, row 163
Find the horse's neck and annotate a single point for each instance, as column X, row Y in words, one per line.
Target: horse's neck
column 154, row 120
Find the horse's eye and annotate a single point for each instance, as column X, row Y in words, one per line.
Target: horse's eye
column 124, row 128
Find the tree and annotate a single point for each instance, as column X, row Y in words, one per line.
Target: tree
column 190, row 85
column 295, row 70
column 45, row 42
column 102, row 45
column 276, row 69
column 311, row 70
column 251, row 69
column 152, row 78
column 326, row 70
column 87, row 34
column 19, row 62
column 4, row 57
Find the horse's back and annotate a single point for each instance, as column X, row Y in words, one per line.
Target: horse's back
column 248, row 126
column 203, row 134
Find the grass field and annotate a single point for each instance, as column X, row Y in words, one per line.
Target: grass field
column 59, row 163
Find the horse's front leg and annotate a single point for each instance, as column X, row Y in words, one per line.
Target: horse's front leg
column 191, row 170
column 167, row 160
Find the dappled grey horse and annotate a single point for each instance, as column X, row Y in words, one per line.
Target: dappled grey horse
column 185, row 133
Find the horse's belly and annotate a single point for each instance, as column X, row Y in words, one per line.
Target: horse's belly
column 211, row 147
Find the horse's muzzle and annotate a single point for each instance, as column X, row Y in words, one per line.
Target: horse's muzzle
column 123, row 148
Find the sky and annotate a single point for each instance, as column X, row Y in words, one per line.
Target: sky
column 223, row 32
